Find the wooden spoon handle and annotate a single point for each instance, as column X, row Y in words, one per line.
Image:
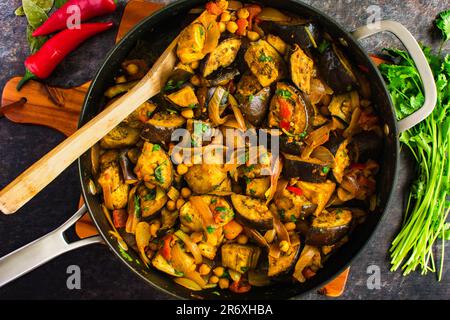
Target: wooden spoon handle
column 44, row 171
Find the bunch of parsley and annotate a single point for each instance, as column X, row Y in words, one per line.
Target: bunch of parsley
column 425, row 220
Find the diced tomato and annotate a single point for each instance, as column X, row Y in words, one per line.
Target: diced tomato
column 120, row 217
column 295, row 190
column 254, row 10
column 242, row 26
column 166, row 250
column 285, row 125
column 213, row 8
column 285, row 109
column 378, row 60
column 240, row 286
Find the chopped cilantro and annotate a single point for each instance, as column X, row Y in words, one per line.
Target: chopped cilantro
column 149, row 114
column 323, row 46
column 187, row 218
column 247, row 180
column 251, row 98
column 150, row 196
column 159, row 174
column 293, row 218
column 264, row 58
column 244, row 269
column 156, row 147
column 213, row 200
column 326, row 170
column 252, row 192
column 221, row 209
column 137, row 206
column 283, row 93
column 210, row 229
column 282, row 213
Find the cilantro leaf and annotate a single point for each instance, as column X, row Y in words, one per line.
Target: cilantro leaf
column 443, row 23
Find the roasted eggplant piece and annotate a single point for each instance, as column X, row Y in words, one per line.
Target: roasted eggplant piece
column 121, row 136
column 308, row 170
column 364, row 146
column 247, row 86
column 180, row 75
column 341, row 107
column 277, row 43
column 222, row 76
column 252, row 212
column 293, row 207
column 256, row 107
column 338, row 146
column 285, row 262
column 168, row 219
column 329, row 227
column 257, row 188
column 190, row 218
column 222, row 56
column 265, row 63
column 160, row 127
column 115, row 190
column 191, row 43
column 288, row 106
column 301, row 67
column 240, row 258
column 184, row 98
column 151, row 201
column 336, row 70
column 204, row 178
column 140, row 115
column 154, row 167
column 318, row 193
column 307, row 36
column 127, row 168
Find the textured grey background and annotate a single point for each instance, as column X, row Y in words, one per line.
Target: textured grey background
column 104, row 276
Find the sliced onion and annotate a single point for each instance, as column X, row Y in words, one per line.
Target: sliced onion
column 281, row 186
column 255, row 235
column 142, row 239
column 272, row 14
column 188, row 284
column 304, row 261
column 191, row 246
column 324, row 156
column 237, row 113
column 274, row 177
column 274, row 250
column 214, row 107
column 203, row 209
column 196, row 277
column 280, row 229
column 180, row 260
column 353, row 127
column 317, row 92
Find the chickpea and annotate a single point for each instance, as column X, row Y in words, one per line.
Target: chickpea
column 225, row 17
column 243, row 13
column 171, row 205
column 204, row 269
column 132, row 69
column 194, row 65
column 154, row 227
column 219, row 271
column 284, row 246
column 214, row 279
column 180, row 203
column 185, row 193
column 290, row 226
column 232, row 26
column 224, row 283
column 196, row 237
column 242, row 239
column 252, row 35
column 182, row 169
column 222, row 26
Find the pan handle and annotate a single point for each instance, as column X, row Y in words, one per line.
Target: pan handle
column 420, row 60
column 42, row 250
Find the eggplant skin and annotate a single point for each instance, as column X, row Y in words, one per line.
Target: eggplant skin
column 252, row 212
column 365, row 146
column 284, row 264
column 334, row 142
column 307, row 171
column 240, row 257
column 160, row 128
column 329, row 227
column 257, row 106
column 222, row 76
column 336, row 70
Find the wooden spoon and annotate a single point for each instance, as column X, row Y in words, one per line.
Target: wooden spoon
column 44, row 171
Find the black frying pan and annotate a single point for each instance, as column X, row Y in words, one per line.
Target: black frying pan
column 148, row 40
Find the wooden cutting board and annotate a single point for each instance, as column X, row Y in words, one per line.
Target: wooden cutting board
column 59, row 108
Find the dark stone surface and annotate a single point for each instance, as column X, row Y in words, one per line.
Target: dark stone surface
column 104, row 276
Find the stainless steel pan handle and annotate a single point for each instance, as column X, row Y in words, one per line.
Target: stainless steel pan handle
column 42, row 250
column 420, row 60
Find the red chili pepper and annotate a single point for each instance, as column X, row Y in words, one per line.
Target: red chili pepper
column 120, row 217
column 285, row 109
column 253, row 11
column 166, row 250
column 42, row 63
column 240, row 287
column 285, row 125
column 295, row 190
column 87, row 8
